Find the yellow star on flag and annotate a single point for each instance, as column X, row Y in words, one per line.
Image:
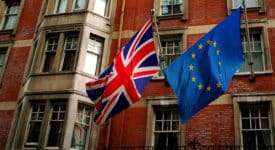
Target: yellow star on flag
column 218, row 85
column 194, row 79
column 193, row 55
column 200, row 86
column 208, row 88
column 191, row 67
column 200, row 46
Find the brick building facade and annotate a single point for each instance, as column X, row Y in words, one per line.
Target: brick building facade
column 66, row 43
column 17, row 27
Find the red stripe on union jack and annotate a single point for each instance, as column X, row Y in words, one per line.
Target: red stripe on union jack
column 123, row 82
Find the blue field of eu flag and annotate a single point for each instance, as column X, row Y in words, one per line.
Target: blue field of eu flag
column 204, row 71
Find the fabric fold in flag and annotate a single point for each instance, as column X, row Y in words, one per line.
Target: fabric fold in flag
column 204, row 71
column 123, row 82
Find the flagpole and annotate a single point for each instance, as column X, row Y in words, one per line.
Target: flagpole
column 158, row 37
column 252, row 74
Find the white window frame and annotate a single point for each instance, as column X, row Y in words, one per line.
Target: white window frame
column 259, row 28
column 261, row 8
column 183, row 15
column 81, row 118
column 240, row 98
column 169, row 51
column 160, row 102
column 93, row 42
column 175, row 33
column 163, row 121
column 8, row 15
column 71, row 49
column 34, row 144
column 59, row 119
column 52, row 50
column 258, row 119
column 246, row 4
column 172, row 4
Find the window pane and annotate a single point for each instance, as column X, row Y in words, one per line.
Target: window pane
column 166, row 141
column 258, row 133
column 61, row 6
column 37, row 112
column 55, row 133
column 171, row 49
column 93, row 55
column 91, row 62
column 10, row 17
column 9, row 22
column 248, row 3
column 257, row 53
column 166, row 129
column 69, row 60
column 81, row 128
column 34, row 131
column 2, row 59
column 171, row 7
column 56, row 124
column 70, row 51
column 100, row 7
column 48, row 65
column 265, row 124
column 51, row 47
column 263, row 138
column 258, row 61
column 79, row 137
column 251, row 3
column 249, row 140
column 79, row 4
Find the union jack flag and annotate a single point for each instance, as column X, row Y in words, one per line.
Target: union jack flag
column 122, row 83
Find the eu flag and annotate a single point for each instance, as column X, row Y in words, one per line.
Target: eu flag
column 204, row 71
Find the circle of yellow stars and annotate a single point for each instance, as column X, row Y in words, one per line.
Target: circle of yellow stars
column 191, row 67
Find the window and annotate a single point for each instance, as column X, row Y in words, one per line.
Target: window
column 50, row 50
column 79, row 4
column 257, row 52
column 61, row 6
column 56, row 124
column 171, row 7
column 167, row 129
column 101, row 7
column 171, row 46
column 248, row 3
column 70, row 48
column 10, row 17
column 255, row 123
column 251, row 5
column 3, row 51
column 81, row 127
column 93, row 56
column 35, row 123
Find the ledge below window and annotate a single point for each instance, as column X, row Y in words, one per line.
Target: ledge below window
column 167, row 17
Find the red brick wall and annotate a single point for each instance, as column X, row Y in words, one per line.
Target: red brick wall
column 13, row 74
column 5, row 125
column 17, row 58
column 213, row 125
